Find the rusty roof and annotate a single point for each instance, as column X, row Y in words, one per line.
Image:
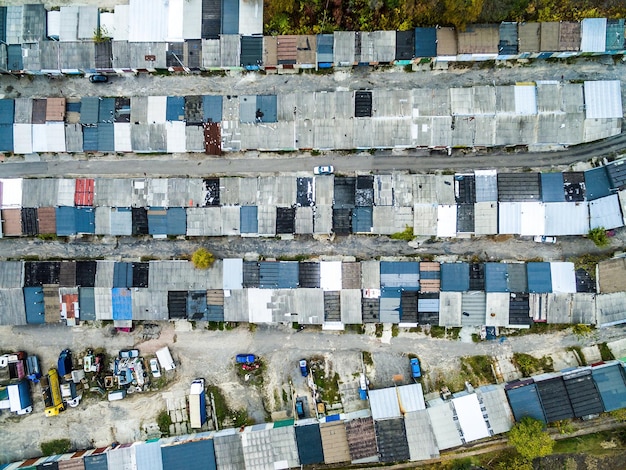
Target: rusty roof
column 361, row 438
column 334, row 442
column 446, row 41
column 479, row 39
column 569, row 36
column 55, row 109
column 12, row 222
column 47, row 220
column 612, row 275
column 286, row 48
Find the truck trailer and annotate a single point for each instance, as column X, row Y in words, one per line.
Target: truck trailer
column 19, row 397
column 51, row 391
column 165, row 359
column 197, row 404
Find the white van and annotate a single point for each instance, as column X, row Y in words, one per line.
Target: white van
column 117, row 395
column 165, row 359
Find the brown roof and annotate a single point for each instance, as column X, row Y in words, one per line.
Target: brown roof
column 51, row 303
column 47, row 220
column 39, row 111
column 215, row 297
column 612, row 275
column 479, row 39
column 67, row 274
column 361, row 438
column 569, row 36
column 306, row 50
column 529, row 37
column 270, row 54
column 549, row 36
column 429, row 285
column 287, row 48
column 72, row 464
column 12, row 222
column 55, row 111
column 446, row 41
column 351, row 275
column 334, row 442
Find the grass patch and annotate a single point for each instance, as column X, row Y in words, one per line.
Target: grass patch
column 379, row 330
column 453, row 333
column 367, row 358
column 600, row 443
column 164, row 421
column 437, row 331
column 221, row 407
column 215, row 325
column 406, row 234
column 588, row 262
column 582, row 330
column 355, row 329
column 394, row 330
column 478, row 368
column 528, row 364
column 57, row 446
column 605, row 352
column 328, row 387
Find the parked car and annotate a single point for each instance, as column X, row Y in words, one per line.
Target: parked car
column 324, row 170
column 64, row 364
column 98, row 78
column 300, row 407
column 155, row 370
column 245, row 358
column 303, row 369
column 416, row 371
column 544, row 239
column 129, row 353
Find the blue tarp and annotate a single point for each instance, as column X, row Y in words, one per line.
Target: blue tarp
column 309, row 442
column 175, row 110
column 552, row 189
column 496, row 277
column 266, row 108
column 66, row 221
column 33, row 303
column 122, row 303
column 362, row 219
column 212, row 108
column 6, row 137
column 425, row 42
column 106, row 138
column 176, row 220
column 90, row 139
column 611, row 383
column 248, row 219
column 85, row 220
column 106, row 110
column 597, row 183
column 455, row 277
column 230, row 16
column 539, row 278
column 122, row 275
column 525, row 401
column 193, row 455
column 403, row 274
column 7, row 111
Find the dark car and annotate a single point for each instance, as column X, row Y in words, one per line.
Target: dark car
column 65, row 362
column 97, row 78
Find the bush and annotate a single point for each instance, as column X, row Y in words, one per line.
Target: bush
column 202, row 258
column 55, row 447
column 406, row 234
column 164, row 421
column 530, row 439
column 598, row 236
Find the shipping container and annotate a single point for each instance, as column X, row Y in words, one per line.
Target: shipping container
column 197, row 404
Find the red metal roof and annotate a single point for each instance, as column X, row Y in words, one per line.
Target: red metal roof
column 68, row 303
column 84, row 192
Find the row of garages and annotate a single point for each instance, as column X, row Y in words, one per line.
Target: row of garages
column 549, row 112
column 328, row 293
column 399, row 426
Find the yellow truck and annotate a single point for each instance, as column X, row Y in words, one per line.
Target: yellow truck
column 51, row 391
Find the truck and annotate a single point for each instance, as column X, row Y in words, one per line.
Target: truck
column 197, row 404
column 51, row 391
column 65, row 363
column 19, row 397
column 165, row 359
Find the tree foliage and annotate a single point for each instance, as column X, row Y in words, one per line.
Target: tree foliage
column 530, row 439
column 202, row 258
column 598, row 236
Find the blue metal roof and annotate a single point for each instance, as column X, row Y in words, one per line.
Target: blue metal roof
column 552, row 187
column 96, row 462
column 85, row 220
column 193, row 455
column 6, row 137
column 122, row 274
column 212, row 108
column 496, row 277
column 196, row 305
column 266, row 108
column 615, row 34
column 425, row 42
column 248, row 219
column 539, row 277
column 7, row 111
column 122, row 303
column 106, row 110
column 106, row 137
column 66, row 221
column 87, row 303
column 215, row 313
column 508, row 39
column 72, row 107
column 176, row 220
column 403, row 274
column 455, row 277
column 362, row 219
column 14, row 57
column 611, row 383
column 325, row 45
column 33, row 303
column 399, row 267
column 148, row 456
column 90, row 139
column 525, row 402
column 3, row 28
column 278, row 275
column 157, row 221
column 309, row 442
column 175, row 110
column 597, row 183
column 230, row 16
column 89, row 110
column 251, row 55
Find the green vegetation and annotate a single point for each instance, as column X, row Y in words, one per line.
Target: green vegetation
column 618, row 415
column 47, row 236
column 394, row 330
column 215, row 325
column 355, row 329
column 379, row 330
column 598, row 236
column 101, row 35
column 581, row 330
column 202, row 258
column 327, row 386
column 367, row 358
column 477, row 369
column 605, row 352
column 564, row 426
column 530, row 439
column 579, row 352
column 437, row 331
column 600, row 443
column 57, row 446
column 528, row 364
column 164, row 421
column 222, row 411
column 406, row 234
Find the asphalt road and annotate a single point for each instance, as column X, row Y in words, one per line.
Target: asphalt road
column 254, row 163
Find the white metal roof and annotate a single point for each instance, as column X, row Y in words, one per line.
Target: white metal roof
column 11, row 193
column 259, row 301
column 250, row 17
column 87, row 21
column 419, row 436
column 147, row 20
column 330, row 275
column 192, row 19
column 497, row 308
column 121, row 137
column 444, row 426
column 65, row 192
column 470, row 417
column 509, row 217
column 120, row 32
column 157, row 109
column 392, row 402
column 233, row 273
column 55, row 136
column 175, row 136
column 425, row 219
column 450, row 308
column 53, row 23
column 533, row 216
column 563, row 276
column 446, row 220
column 175, row 20
column 107, row 24
column 69, row 23
column 593, row 35
column 603, row 99
column 605, row 212
column 525, row 99
column 496, row 405
column 566, row 218
column 40, row 143
column 22, row 138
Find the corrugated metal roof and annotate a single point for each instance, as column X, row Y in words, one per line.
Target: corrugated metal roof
column 470, row 416
column 14, row 301
column 96, row 462
column 597, row 183
column 603, row 99
column 444, row 426
column 325, row 44
column 611, row 382
column 7, row 110
column 493, row 399
column 392, row 441
column 593, row 35
column 89, row 110
column 425, row 42
column 455, row 277
column 230, row 17
column 6, row 137
column 334, row 442
column 539, row 277
column 552, row 187
column 554, row 399
column 605, row 212
column 87, row 302
column 583, row 393
column 405, row 45
column 420, row 436
column 148, row 456
column 65, row 221
column 192, row 455
column 524, row 400
column 175, row 108
column 496, row 277
column 403, row 274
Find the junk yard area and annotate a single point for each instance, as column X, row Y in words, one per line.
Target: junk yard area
column 98, row 385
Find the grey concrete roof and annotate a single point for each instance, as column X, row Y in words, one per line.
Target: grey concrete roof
column 450, row 312
column 113, row 192
column 497, row 303
column 104, row 274
column 304, row 220
column 351, row 306
column 493, row 399
column 571, row 308
column 228, row 450
column 310, row 306
column 170, row 275
column 344, row 47
column 149, row 304
column 12, row 310
column 11, row 274
column 204, row 221
column 610, row 308
column 444, row 426
column 103, row 299
column 420, row 436
column 103, row 220
column 262, row 449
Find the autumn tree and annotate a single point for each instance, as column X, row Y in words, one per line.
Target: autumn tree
column 530, row 439
column 462, row 12
column 202, row 258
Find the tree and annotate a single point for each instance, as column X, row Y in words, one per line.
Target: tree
column 462, row 12
column 202, row 258
column 598, row 236
column 530, row 439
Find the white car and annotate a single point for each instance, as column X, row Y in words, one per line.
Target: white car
column 154, row 368
column 544, row 239
column 324, row 170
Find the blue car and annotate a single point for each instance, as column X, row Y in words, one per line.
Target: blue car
column 416, row 371
column 303, row 369
column 245, row 358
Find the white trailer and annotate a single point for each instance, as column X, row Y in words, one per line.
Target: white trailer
column 165, row 359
